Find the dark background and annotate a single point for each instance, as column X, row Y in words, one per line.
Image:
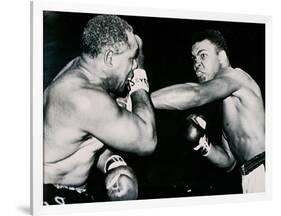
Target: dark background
column 173, row 170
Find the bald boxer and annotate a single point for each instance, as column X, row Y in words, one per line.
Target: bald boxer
column 243, row 135
column 84, row 125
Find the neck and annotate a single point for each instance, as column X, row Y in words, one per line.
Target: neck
column 225, row 69
column 225, row 65
column 93, row 70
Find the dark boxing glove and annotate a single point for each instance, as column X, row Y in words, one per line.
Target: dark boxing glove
column 195, row 134
column 121, row 182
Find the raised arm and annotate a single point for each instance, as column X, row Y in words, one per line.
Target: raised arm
column 176, row 97
column 189, row 95
column 98, row 114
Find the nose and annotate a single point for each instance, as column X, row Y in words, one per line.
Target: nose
column 196, row 65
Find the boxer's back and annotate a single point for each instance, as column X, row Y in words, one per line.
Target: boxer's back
column 69, row 151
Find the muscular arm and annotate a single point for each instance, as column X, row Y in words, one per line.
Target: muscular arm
column 221, row 156
column 99, row 115
column 189, row 95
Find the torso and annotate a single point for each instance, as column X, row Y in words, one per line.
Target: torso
column 69, row 152
column 243, row 120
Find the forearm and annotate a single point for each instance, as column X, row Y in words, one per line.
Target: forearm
column 140, row 59
column 102, row 159
column 142, row 107
column 176, row 97
column 220, row 158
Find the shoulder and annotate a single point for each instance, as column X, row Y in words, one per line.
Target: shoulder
column 246, row 82
column 92, row 99
column 245, row 78
column 236, row 75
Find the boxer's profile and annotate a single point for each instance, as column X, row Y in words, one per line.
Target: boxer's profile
column 83, row 123
column 243, row 136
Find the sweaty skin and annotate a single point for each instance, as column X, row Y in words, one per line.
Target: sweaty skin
column 242, row 104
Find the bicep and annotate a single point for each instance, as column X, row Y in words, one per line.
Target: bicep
column 217, row 88
column 114, row 126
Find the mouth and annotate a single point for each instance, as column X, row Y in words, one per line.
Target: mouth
column 199, row 74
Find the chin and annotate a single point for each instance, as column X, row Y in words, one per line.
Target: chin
column 201, row 80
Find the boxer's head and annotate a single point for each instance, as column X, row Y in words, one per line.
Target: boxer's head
column 103, row 32
column 121, row 64
column 110, row 39
column 209, row 53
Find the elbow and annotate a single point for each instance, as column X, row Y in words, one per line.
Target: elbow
column 147, row 146
column 198, row 99
column 230, row 166
column 151, row 145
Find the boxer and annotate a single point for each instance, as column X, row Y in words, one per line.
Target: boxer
column 243, row 137
column 83, row 123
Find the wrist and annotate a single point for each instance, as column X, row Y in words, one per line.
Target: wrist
column 203, row 147
column 113, row 162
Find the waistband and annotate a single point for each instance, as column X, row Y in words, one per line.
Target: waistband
column 80, row 189
column 252, row 164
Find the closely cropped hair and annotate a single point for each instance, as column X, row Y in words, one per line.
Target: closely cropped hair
column 213, row 36
column 104, row 31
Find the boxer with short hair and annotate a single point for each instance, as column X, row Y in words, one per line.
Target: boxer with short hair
column 243, row 137
column 82, row 117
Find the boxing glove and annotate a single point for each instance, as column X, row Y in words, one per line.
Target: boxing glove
column 120, row 181
column 139, row 78
column 195, row 134
column 138, row 81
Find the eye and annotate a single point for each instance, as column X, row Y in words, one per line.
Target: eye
column 203, row 55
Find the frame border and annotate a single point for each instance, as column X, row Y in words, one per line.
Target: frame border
column 36, row 199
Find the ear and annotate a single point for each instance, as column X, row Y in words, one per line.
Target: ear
column 223, row 59
column 108, row 57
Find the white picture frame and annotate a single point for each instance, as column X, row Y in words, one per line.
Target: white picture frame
column 37, row 10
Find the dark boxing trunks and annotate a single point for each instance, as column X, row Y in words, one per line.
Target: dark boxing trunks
column 60, row 194
column 252, row 164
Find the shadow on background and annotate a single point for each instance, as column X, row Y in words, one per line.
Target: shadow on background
column 24, row 209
